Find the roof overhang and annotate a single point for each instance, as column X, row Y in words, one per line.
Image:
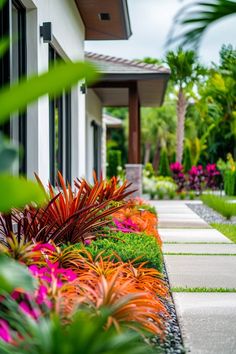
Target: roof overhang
column 105, row 19
column 113, row 89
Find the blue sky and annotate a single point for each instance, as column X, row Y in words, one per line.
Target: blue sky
column 151, row 21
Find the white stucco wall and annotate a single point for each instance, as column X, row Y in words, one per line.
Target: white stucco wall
column 68, row 40
column 93, row 113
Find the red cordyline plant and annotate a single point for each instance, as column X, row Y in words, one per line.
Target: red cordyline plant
column 110, row 189
column 67, row 217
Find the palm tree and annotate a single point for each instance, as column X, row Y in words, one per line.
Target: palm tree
column 199, row 16
column 185, row 70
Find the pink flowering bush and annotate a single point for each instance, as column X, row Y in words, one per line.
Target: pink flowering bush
column 196, row 178
column 212, row 175
column 178, row 175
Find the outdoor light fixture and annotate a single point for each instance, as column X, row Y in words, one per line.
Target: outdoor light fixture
column 83, row 88
column 46, row 32
column 104, row 16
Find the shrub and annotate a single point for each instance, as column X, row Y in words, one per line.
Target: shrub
column 182, row 195
column 192, row 195
column 220, row 204
column 128, row 247
column 178, row 176
column 171, row 194
column 164, row 169
column 187, row 159
column 196, row 178
column 114, row 161
column 211, row 176
column 164, row 187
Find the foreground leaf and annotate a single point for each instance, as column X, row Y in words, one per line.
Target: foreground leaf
column 16, row 192
column 8, row 154
column 14, row 275
column 61, row 77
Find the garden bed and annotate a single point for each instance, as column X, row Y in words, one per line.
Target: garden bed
column 89, row 272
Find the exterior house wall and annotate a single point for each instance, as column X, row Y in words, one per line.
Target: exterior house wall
column 94, row 114
column 68, row 41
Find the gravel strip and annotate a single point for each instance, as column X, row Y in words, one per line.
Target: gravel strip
column 209, row 215
column 173, row 343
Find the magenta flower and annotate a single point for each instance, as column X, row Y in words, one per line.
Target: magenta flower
column 34, row 313
column 87, row 242
column 5, row 331
column 44, row 247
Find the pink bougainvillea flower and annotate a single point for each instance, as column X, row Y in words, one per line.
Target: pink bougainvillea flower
column 87, row 242
column 34, row 313
column 44, row 247
column 5, row 331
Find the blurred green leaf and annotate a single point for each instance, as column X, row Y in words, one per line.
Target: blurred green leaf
column 2, row 2
column 61, row 77
column 15, row 275
column 17, row 192
column 8, row 154
column 4, row 45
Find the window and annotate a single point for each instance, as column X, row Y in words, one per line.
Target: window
column 97, row 136
column 59, row 130
column 12, row 68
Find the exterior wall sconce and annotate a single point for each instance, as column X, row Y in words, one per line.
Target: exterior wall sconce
column 46, row 32
column 83, row 88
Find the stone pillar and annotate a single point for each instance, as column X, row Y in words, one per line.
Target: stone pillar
column 134, row 175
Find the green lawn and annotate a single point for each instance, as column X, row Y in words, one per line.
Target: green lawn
column 227, row 230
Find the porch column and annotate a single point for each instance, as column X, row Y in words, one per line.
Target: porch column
column 134, row 167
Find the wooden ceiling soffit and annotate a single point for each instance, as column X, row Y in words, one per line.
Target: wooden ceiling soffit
column 105, row 19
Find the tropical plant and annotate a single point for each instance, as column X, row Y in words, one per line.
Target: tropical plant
column 195, row 18
column 178, row 175
column 187, row 159
column 164, row 168
column 196, row 178
column 67, row 216
column 129, row 305
column 185, row 71
column 114, row 162
column 110, row 188
column 52, row 336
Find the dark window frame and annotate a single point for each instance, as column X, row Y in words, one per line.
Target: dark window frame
column 6, row 63
column 63, row 104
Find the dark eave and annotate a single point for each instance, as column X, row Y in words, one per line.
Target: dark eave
column 105, row 19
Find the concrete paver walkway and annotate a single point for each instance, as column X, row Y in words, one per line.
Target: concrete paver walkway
column 198, row 256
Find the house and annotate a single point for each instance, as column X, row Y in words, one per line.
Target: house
column 65, row 133
column 126, row 83
column 53, row 131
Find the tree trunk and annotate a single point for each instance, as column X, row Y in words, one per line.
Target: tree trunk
column 147, row 153
column 181, row 111
column 156, row 157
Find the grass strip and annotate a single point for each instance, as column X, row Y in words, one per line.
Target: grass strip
column 203, row 290
column 196, row 243
column 198, row 254
column 220, row 205
column 227, row 230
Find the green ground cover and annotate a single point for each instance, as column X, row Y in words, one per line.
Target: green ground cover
column 129, row 246
column 227, row 230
